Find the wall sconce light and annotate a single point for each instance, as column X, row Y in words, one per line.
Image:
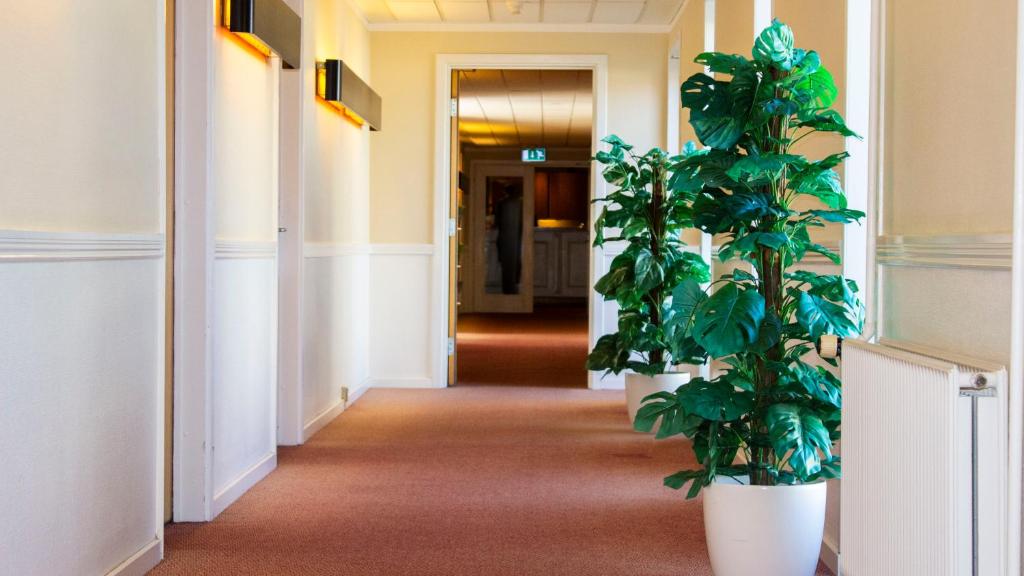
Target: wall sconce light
column 339, row 86
column 267, row 25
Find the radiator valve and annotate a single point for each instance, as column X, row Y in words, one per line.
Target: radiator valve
column 829, row 346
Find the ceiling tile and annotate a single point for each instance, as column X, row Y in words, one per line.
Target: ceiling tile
column 660, row 11
column 617, row 12
column 406, row 11
column 528, row 12
column 465, row 12
column 567, row 12
column 375, row 10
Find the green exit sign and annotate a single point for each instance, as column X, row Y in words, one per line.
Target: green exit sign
column 535, row 154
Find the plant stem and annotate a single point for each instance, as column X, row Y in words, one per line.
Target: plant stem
column 657, row 231
column 770, row 285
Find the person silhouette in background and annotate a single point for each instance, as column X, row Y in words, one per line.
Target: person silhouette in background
column 508, row 219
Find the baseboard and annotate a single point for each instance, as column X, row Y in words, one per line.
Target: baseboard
column 247, row 480
column 358, row 391
column 323, row 419
column 830, row 555
column 142, row 561
column 402, row 383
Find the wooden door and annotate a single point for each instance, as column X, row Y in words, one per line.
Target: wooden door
column 454, row 201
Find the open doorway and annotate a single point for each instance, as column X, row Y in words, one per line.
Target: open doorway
column 521, row 147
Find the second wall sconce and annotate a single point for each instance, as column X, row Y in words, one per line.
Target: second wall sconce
column 338, row 85
column 267, row 25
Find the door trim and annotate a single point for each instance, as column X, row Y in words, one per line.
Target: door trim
column 446, row 64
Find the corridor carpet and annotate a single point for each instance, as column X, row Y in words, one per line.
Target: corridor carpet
column 545, row 348
column 488, row 481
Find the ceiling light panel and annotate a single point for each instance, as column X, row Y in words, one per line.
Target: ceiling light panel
column 617, row 12
column 465, row 11
column 567, row 12
column 406, row 11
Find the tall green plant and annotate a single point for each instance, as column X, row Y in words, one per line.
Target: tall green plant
column 782, row 412
column 649, row 217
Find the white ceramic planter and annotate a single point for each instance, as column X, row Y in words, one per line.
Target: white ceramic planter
column 764, row 530
column 639, row 387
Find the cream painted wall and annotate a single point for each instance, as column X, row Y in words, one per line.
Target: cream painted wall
column 734, row 26
column 949, row 109
column 79, row 148
column 81, row 335
column 403, row 63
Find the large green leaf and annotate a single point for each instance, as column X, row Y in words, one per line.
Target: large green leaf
column 819, row 316
column 729, row 320
column 715, row 400
column 800, row 434
column 686, row 297
column 826, row 121
column 775, row 45
column 762, row 166
column 818, row 89
column 648, row 272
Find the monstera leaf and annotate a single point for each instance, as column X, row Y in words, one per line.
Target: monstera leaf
column 799, row 435
column 729, row 320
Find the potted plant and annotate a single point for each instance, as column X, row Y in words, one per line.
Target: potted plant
column 763, row 430
column 644, row 213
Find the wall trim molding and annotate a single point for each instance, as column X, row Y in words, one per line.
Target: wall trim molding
column 235, row 249
column 993, row 252
column 242, row 484
column 141, row 562
column 333, row 249
column 402, row 249
column 403, row 382
column 322, row 419
column 36, row 246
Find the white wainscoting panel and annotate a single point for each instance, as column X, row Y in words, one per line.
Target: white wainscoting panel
column 81, row 403
column 336, row 345
column 401, row 316
column 244, row 368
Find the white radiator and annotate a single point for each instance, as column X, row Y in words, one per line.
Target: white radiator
column 924, row 464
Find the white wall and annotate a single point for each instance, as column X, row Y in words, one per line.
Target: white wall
column 81, row 331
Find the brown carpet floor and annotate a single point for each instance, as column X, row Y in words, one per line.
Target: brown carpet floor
column 462, row 481
column 545, row 348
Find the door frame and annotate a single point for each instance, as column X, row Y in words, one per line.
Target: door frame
column 445, row 65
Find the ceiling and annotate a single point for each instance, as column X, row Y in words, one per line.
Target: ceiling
column 498, row 12
column 550, row 108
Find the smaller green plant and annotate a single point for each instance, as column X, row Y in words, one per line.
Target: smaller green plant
column 644, row 212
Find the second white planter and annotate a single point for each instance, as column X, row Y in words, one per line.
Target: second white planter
column 764, row 530
column 639, row 387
